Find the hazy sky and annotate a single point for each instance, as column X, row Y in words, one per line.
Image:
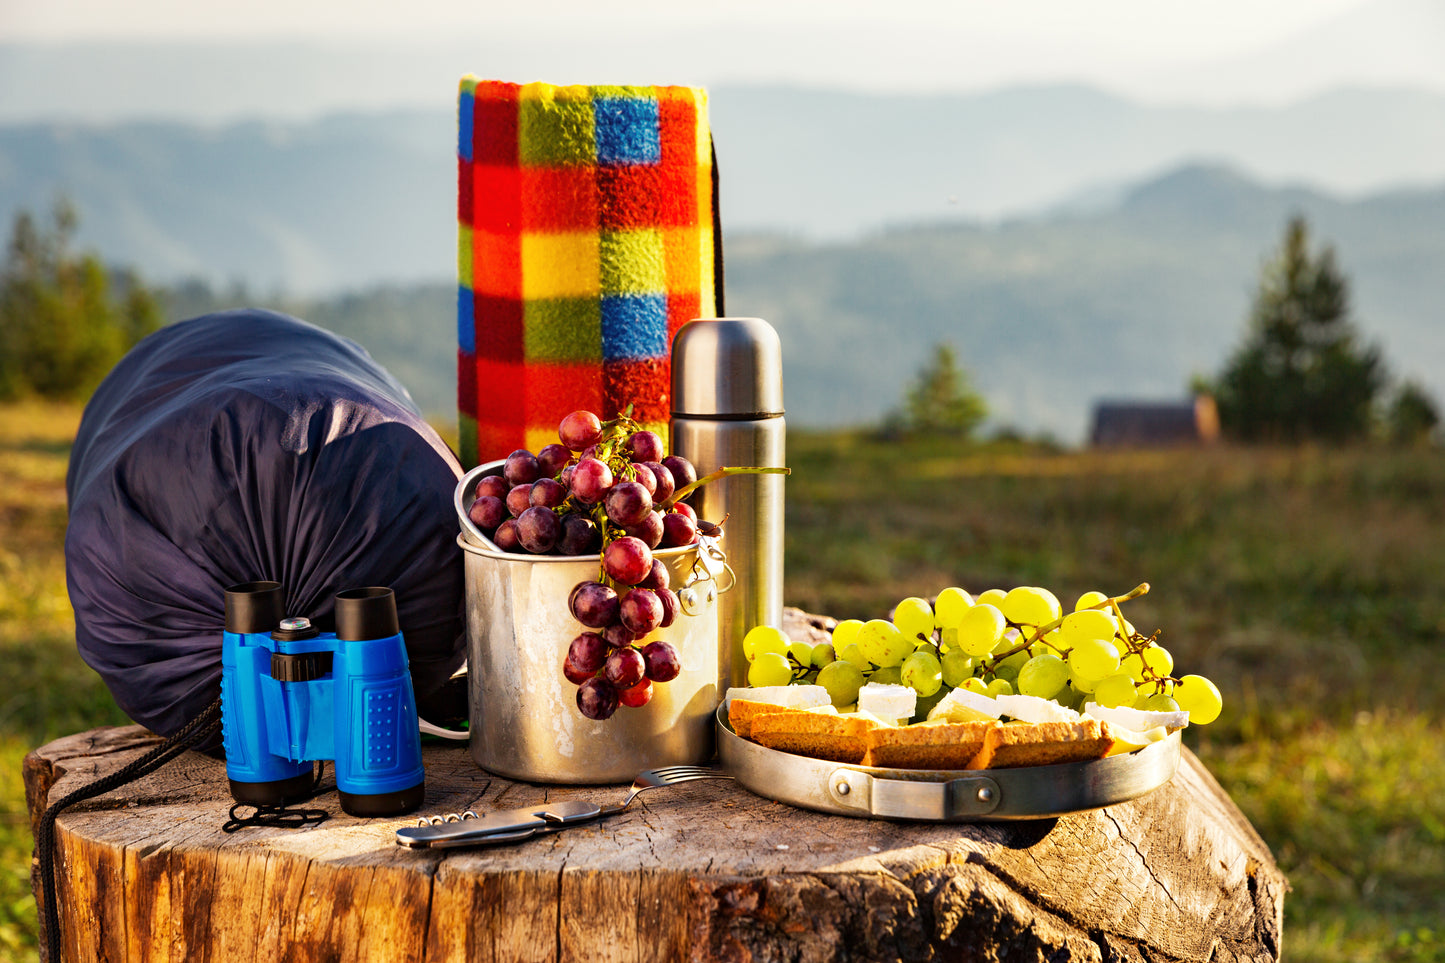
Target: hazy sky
column 1190, row 29
column 1222, row 49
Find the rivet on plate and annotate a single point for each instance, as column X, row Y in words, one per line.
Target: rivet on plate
column 985, row 794
column 843, row 788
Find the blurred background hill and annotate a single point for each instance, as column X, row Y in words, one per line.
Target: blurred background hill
column 359, row 197
column 1056, row 236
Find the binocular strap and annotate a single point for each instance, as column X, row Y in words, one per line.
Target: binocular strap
column 204, row 726
column 283, row 816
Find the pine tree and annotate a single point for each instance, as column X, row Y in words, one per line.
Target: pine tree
column 64, row 319
column 1300, row 373
column 1413, row 416
column 941, row 400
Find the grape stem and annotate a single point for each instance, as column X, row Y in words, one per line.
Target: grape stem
column 623, row 420
column 713, row 476
column 1043, row 630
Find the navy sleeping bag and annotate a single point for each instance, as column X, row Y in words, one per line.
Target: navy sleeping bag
column 241, row 446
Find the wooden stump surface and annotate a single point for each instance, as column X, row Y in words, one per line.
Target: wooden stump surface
column 703, row 870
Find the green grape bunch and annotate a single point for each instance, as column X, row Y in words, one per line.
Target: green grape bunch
column 997, row 643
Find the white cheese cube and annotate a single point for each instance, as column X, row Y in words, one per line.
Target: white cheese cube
column 1027, row 708
column 965, row 705
column 888, row 701
column 793, row 696
column 1140, row 720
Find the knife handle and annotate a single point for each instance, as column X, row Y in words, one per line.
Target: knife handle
column 506, row 826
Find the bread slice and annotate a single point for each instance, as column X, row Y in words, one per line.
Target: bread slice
column 1013, row 745
column 822, row 735
column 929, row 745
column 744, row 703
column 742, row 712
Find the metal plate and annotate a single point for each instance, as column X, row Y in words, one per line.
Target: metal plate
column 944, row 795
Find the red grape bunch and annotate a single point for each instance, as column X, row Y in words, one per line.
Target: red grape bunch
column 605, row 489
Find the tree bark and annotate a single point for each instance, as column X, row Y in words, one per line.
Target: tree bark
column 700, row 871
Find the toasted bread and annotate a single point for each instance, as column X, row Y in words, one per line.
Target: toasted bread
column 744, row 703
column 1043, row 744
column 821, row 735
column 742, row 712
column 935, row 745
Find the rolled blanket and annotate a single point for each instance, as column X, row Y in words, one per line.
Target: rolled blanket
column 586, row 239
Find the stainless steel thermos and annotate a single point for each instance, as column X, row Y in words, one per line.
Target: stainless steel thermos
column 727, row 411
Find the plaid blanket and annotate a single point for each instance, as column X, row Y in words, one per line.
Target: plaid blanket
column 586, row 239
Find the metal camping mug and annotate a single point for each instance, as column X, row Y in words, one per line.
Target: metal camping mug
column 524, row 718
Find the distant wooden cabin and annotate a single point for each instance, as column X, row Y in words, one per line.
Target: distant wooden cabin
column 1149, row 424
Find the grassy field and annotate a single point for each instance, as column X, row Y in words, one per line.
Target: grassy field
column 1306, row 582
column 59, row 693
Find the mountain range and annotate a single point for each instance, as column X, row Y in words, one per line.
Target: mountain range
column 1071, row 245
column 1049, row 315
column 350, row 200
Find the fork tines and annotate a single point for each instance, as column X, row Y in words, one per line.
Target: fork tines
column 675, row 773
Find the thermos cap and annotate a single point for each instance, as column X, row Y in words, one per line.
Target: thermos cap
column 727, row 368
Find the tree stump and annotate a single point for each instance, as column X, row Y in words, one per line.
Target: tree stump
column 704, row 870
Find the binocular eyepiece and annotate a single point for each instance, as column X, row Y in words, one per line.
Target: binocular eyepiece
column 292, row 695
column 361, row 613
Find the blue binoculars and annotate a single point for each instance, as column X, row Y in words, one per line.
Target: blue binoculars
column 292, row 695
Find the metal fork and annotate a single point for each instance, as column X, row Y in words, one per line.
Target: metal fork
column 664, row 776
